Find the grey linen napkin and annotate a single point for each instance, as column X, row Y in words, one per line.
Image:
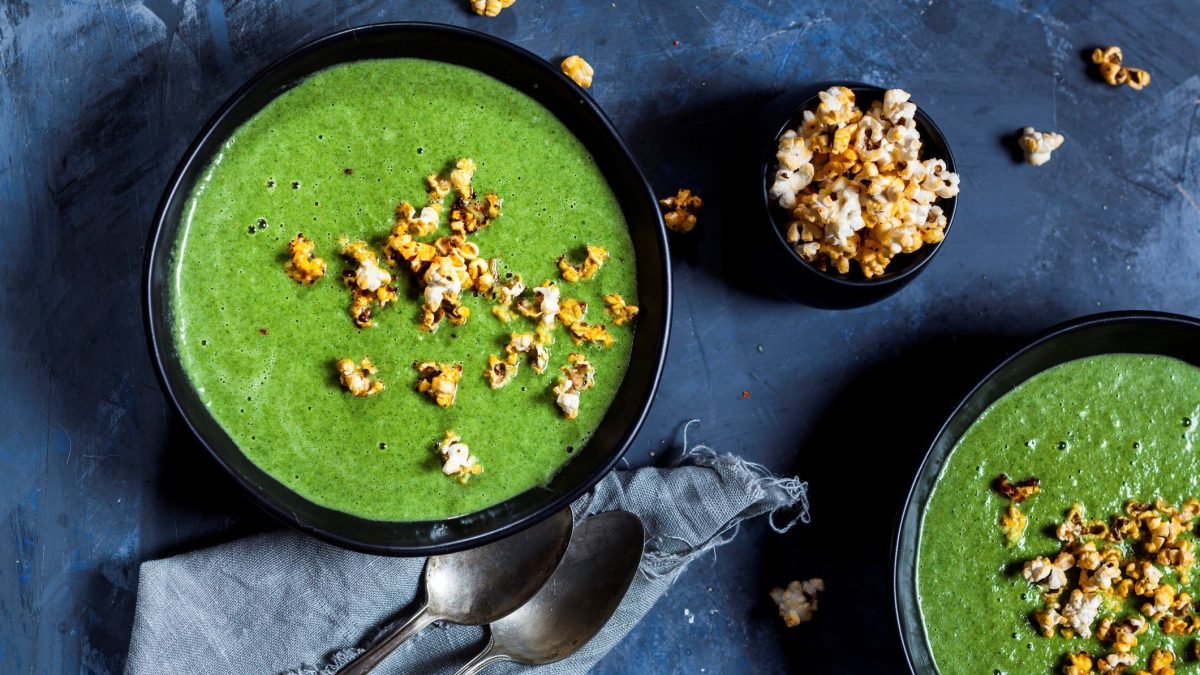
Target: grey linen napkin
column 283, row 602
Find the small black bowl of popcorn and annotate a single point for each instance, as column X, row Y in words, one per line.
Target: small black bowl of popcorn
column 859, row 188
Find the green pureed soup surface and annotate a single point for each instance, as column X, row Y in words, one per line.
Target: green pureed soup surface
column 331, row 158
column 1099, row 431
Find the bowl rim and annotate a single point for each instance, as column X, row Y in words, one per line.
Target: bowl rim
column 1046, row 337
column 769, row 163
column 157, row 341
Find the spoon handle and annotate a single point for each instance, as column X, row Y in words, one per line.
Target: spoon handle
column 482, row 660
column 387, row 643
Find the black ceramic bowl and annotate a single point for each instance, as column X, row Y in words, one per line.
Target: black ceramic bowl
column 543, row 82
column 781, row 265
column 1119, row 332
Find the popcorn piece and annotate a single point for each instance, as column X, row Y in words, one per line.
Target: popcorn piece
column 681, row 210
column 571, row 315
column 620, row 312
column 1080, row 611
column 418, row 224
column 596, row 255
column 1109, row 62
column 1019, row 491
column 1079, row 663
column 1053, row 573
column 304, row 267
column 499, row 371
column 524, row 344
column 1039, row 144
column 1115, row 663
column 1013, row 523
column 490, row 7
column 359, row 379
column 577, row 376
column 505, row 294
column 798, row 602
column 1048, row 620
column 438, row 381
column 545, row 306
column 369, row 283
column 1161, row 662
column 457, row 460
column 579, row 70
column 469, row 215
column 1122, row 634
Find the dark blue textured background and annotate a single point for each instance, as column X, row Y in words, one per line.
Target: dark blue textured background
column 99, row 99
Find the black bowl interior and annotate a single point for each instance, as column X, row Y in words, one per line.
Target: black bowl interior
column 903, row 266
column 536, row 78
column 1122, row 332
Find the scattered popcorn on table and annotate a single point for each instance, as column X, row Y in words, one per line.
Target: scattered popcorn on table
column 855, row 185
column 681, row 210
column 359, row 379
column 577, row 376
column 1039, row 144
column 439, row 381
column 579, row 70
column 596, row 255
column 304, row 267
column 1109, row 60
column 620, row 312
column 457, row 459
column 490, row 7
column 798, row 603
column 369, row 283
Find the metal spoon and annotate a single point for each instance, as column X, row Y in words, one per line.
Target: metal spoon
column 576, row 602
column 478, row 586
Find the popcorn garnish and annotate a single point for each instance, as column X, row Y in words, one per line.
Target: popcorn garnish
column 1019, row 491
column 438, row 381
column 798, row 603
column 596, row 255
column 620, row 312
column 506, row 293
column 1109, row 61
column 572, row 315
column 369, row 283
column 359, row 379
column 490, row 7
column 304, row 267
column 1013, row 523
column 544, row 308
column 681, row 210
column 457, row 459
column 524, row 344
column 1119, row 573
column 1039, row 144
column 579, row 70
column 577, row 376
column 499, row 371
column 855, row 185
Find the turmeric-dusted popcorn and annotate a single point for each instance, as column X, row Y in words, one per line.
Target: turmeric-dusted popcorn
column 620, row 312
column 304, row 267
column 596, row 255
column 524, row 344
column 438, row 381
column 457, row 460
column 1079, row 663
column 505, row 294
column 681, row 210
column 370, row 284
column 1109, row 61
column 572, row 315
column 577, row 376
column 1115, row 663
column 490, row 7
column 579, row 70
column 1116, row 568
column 1038, row 145
column 418, row 224
column 1013, row 523
column 855, row 186
column 798, row 602
column 544, row 307
column 359, row 379
column 499, row 371
column 1019, row 491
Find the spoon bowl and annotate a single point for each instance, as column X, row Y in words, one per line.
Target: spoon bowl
column 578, row 599
column 479, row 585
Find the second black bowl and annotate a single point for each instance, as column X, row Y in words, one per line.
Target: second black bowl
column 782, row 268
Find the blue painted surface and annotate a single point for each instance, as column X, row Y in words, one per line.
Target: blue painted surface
column 99, row 99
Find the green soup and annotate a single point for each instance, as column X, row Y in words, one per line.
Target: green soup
column 1099, row 431
column 331, row 158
